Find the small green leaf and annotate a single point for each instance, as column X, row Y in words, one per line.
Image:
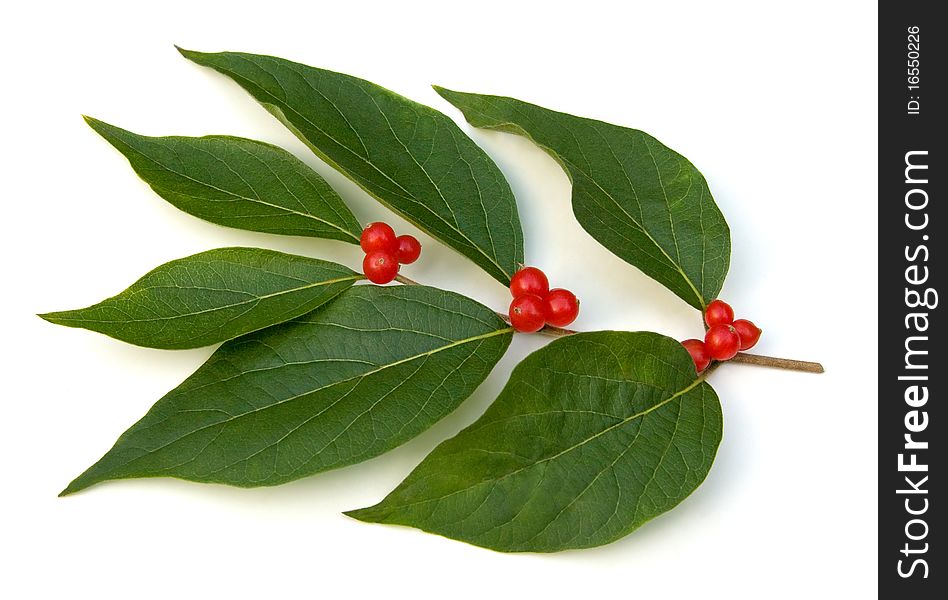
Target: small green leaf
column 236, row 182
column 410, row 157
column 354, row 379
column 593, row 435
column 212, row 297
column 643, row 201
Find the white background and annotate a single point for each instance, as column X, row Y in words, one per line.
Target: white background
column 776, row 106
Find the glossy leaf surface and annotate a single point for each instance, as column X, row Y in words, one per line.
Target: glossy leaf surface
column 593, row 435
column 412, row 158
column 640, row 199
column 340, row 385
column 212, row 297
column 236, row 182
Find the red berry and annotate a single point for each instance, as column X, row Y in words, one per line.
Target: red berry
column 529, row 280
column 379, row 267
column 409, row 249
column 560, row 307
column 722, row 342
column 749, row 333
column 526, row 313
column 379, row 237
column 718, row 313
column 699, row 354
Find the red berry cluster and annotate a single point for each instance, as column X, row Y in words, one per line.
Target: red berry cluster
column 384, row 252
column 535, row 304
column 724, row 338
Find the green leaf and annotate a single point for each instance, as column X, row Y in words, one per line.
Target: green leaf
column 593, row 435
column 643, row 201
column 236, row 182
column 410, row 157
column 212, row 297
column 340, row 385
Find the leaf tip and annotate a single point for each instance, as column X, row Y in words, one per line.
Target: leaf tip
column 361, row 514
column 102, row 128
column 192, row 55
column 87, row 478
column 442, row 91
column 52, row 317
column 66, row 318
column 96, row 125
column 72, row 488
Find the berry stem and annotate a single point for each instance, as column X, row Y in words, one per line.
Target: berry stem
column 741, row 357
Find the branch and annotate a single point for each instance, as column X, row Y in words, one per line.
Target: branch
column 548, row 330
column 741, row 357
column 778, row 363
column 404, row 280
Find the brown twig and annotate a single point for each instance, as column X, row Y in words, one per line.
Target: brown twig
column 778, row 363
column 404, row 280
column 741, row 357
column 547, row 330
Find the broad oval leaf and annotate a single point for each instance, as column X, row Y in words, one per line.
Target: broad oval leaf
column 410, row 157
column 212, row 297
column 593, row 435
column 236, row 182
column 340, row 385
column 640, row 199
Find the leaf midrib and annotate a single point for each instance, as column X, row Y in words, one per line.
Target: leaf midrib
column 335, row 165
column 313, row 391
column 571, row 165
column 253, row 298
column 621, row 423
column 233, row 194
column 642, row 229
column 409, row 196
